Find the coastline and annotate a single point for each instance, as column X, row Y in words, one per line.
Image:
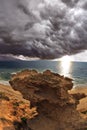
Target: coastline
column 82, row 106
column 15, row 97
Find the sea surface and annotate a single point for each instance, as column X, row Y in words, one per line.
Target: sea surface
column 75, row 70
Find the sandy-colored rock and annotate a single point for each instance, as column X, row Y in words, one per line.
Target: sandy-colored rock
column 82, row 106
column 49, row 93
column 13, row 109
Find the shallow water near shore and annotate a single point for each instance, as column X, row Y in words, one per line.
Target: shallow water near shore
column 75, row 70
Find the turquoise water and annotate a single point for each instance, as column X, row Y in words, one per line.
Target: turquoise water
column 75, row 70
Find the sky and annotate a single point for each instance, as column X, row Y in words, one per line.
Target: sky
column 43, row 29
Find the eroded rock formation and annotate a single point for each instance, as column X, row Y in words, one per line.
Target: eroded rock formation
column 49, row 93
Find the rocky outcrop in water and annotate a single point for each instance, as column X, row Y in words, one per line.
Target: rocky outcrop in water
column 49, row 93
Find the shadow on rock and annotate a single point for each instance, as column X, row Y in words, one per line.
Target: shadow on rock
column 21, row 125
column 48, row 92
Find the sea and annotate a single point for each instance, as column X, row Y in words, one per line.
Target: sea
column 75, row 70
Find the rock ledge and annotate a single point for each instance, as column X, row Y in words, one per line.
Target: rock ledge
column 49, row 93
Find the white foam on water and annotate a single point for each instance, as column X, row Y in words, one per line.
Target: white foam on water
column 4, row 82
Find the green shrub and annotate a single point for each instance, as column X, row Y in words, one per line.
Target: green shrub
column 23, row 119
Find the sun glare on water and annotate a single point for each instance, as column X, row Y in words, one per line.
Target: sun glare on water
column 65, row 65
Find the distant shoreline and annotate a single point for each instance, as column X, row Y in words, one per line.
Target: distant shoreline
column 76, row 70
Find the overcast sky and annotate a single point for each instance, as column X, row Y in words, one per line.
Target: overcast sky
column 45, row 29
column 80, row 57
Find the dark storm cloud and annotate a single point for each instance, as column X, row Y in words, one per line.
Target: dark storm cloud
column 43, row 28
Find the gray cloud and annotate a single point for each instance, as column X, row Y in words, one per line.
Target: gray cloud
column 45, row 29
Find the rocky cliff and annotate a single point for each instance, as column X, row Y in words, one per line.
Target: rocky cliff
column 48, row 92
